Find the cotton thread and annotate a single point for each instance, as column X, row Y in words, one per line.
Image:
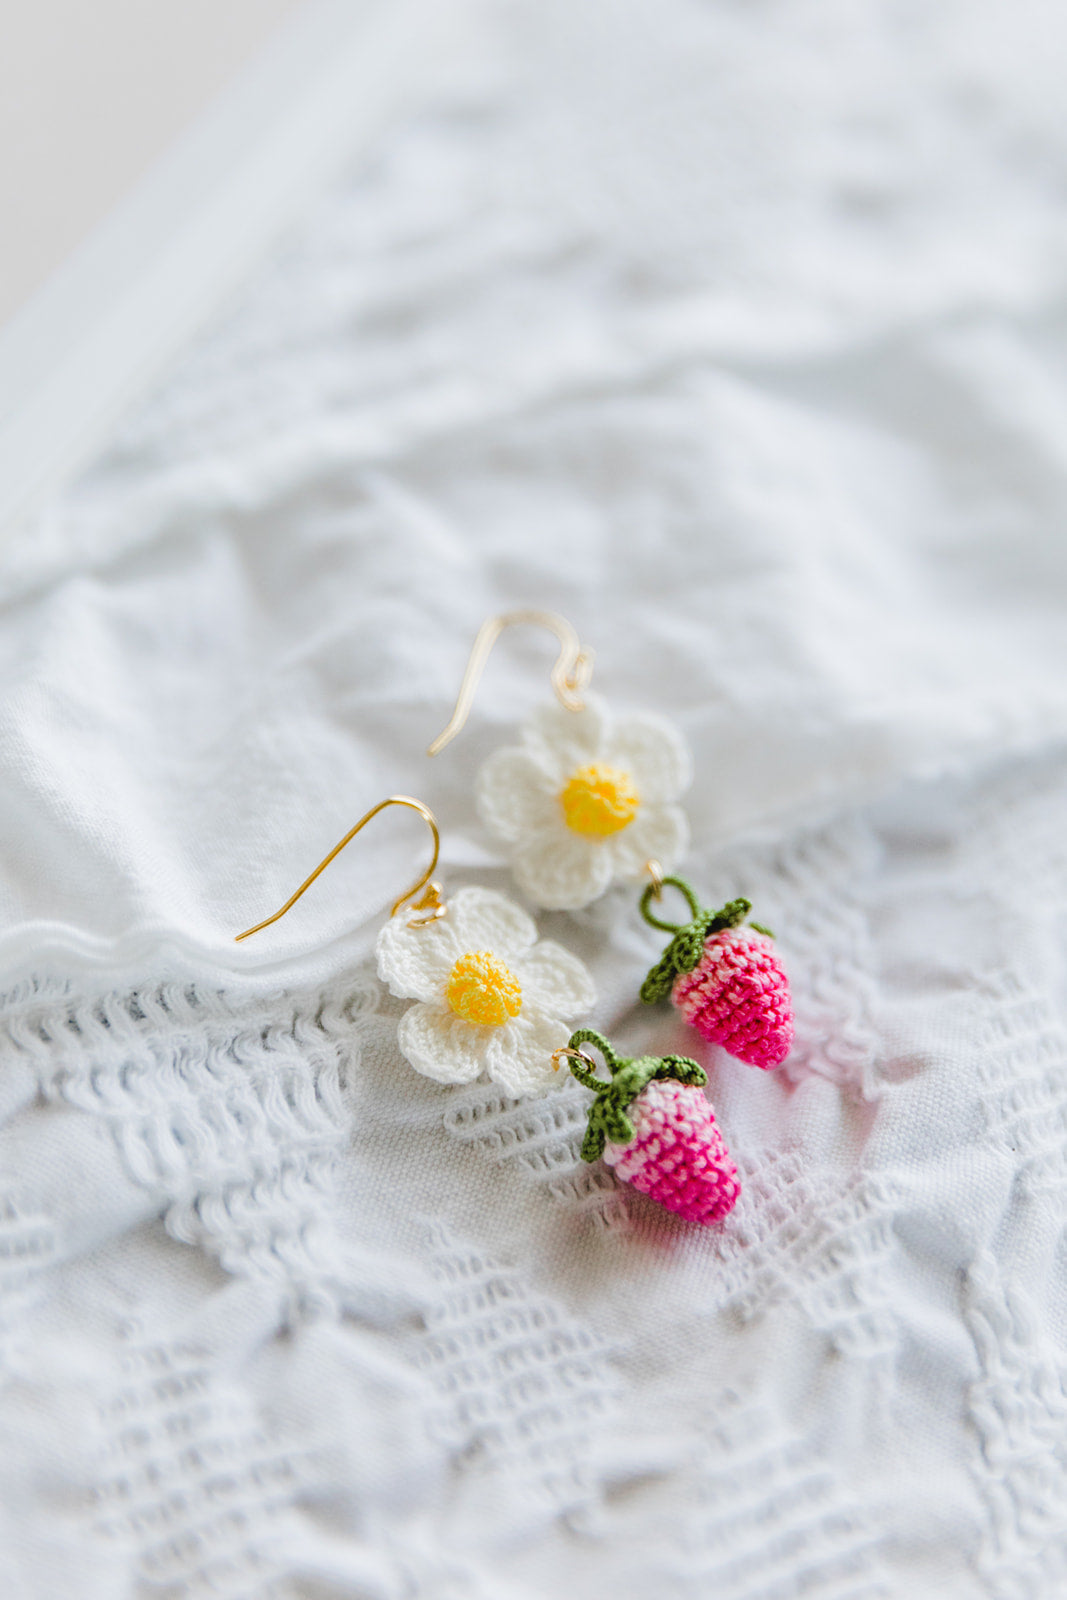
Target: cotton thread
column 651, row 1122
column 725, row 978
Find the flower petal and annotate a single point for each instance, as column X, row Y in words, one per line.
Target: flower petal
column 554, row 980
column 415, row 961
column 563, row 740
column 660, row 832
column 516, row 792
column 519, row 1056
column 484, row 920
column 560, row 870
column 654, row 753
column 442, row 1046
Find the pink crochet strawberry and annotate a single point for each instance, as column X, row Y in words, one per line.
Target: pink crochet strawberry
column 652, row 1122
column 725, row 978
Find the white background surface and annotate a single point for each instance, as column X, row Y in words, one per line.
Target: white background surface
column 90, row 95
column 736, row 334
column 101, row 325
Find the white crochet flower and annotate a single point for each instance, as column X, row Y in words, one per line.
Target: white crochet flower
column 490, row 998
column 585, row 800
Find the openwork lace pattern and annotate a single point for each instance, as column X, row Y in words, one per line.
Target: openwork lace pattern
column 823, row 1244
column 1016, row 830
column 539, row 1140
column 231, row 1111
column 191, row 1486
column 772, row 1521
column 1018, row 1410
column 1022, row 1071
column 523, row 1384
column 27, row 1249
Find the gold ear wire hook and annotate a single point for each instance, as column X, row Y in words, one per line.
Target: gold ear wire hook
column 430, row 903
column 570, row 674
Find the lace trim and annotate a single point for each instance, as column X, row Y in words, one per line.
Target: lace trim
column 1018, row 1410
column 1023, row 1072
column 192, row 1485
column 27, row 1249
column 595, row 1192
column 230, row 1109
column 541, row 1136
column 771, row 1519
column 757, row 1511
column 522, row 1382
column 824, row 1246
column 540, row 1139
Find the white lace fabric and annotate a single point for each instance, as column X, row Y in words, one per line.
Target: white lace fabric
column 738, row 338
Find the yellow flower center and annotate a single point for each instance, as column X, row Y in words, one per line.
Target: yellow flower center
column 481, row 989
column 599, row 800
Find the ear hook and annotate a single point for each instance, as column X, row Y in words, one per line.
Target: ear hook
column 570, row 675
column 430, row 903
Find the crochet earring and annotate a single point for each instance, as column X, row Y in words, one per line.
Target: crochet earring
column 652, row 1123
column 489, row 996
column 724, row 976
column 586, row 798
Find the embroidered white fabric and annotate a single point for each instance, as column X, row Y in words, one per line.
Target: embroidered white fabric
column 736, row 333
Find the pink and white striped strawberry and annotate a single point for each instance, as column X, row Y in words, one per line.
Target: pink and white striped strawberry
column 725, row 978
column 652, row 1122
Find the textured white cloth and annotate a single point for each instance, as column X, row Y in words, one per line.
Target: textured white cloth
column 736, row 333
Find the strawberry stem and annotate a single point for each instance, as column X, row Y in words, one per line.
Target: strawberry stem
column 687, row 946
column 677, row 883
column 629, row 1075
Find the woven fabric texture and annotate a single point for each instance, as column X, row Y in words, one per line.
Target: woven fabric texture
column 736, row 334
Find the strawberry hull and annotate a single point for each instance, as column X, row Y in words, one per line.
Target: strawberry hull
column 737, row 996
column 651, row 1122
column 677, row 1155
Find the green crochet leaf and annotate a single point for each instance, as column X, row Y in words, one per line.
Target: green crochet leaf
column 687, row 945
column 617, row 1125
column 608, row 1122
column 685, row 1070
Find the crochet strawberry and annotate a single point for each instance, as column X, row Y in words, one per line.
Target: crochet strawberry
column 725, row 979
column 652, row 1122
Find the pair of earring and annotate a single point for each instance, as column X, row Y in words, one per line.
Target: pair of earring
column 583, row 801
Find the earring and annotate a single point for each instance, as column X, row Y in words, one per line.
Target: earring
column 585, row 799
column 724, row 976
column 489, row 996
column 652, row 1123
